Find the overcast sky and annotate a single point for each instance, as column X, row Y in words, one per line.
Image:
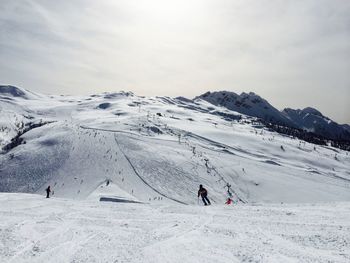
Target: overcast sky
column 294, row 53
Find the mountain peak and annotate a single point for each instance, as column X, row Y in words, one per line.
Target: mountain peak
column 12, row 91
column 312, row 111
column 313, row 120
column 15, row 92
column 250, row 94
column 247, row 103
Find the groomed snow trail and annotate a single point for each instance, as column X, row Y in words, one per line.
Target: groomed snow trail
column 35, row 229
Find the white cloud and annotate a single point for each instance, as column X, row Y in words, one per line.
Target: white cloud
column 293, row 53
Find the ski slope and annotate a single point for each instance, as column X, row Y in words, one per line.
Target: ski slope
column 124, row 172
column 33, row 229
column 160, row 149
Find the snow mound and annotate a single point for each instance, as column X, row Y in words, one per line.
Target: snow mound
column 12, row 91
column 104, row 106
column 15, row 92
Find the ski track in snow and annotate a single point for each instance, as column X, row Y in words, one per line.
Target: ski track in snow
column 141, row 178
column 35, row 229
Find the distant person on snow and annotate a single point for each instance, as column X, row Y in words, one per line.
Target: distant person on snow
column 48, row 191
column 228, row 201
column 203, row 193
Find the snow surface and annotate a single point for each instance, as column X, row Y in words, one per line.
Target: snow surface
column 125, row 170
column 161, row 149
column 35, row 229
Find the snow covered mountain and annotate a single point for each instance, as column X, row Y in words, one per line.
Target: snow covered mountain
column 124, row 172
column 312, row 120
column 346, row 127
column 253, row 105
column 250, row 104
column 9, row 92
column 157, row 149
column 15, row 117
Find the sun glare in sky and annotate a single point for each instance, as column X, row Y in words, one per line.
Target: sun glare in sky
column 293, row 53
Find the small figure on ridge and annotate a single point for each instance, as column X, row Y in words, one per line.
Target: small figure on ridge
column 48, row 191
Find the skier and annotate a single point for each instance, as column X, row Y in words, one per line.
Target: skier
column 228, row 201
column 48, row 190
column 203, row 193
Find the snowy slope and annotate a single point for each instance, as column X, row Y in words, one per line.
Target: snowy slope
column 9, row 92
column 121, row 167
column 33, row 229
column 158, row 150
column 15, row 115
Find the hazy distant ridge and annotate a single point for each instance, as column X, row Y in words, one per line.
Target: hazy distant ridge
column 251, row 104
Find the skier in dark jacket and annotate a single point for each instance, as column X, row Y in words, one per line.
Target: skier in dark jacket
column 203, row 193
column 48, row 191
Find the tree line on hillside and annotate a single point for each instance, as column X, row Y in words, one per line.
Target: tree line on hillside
column 306, row 135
